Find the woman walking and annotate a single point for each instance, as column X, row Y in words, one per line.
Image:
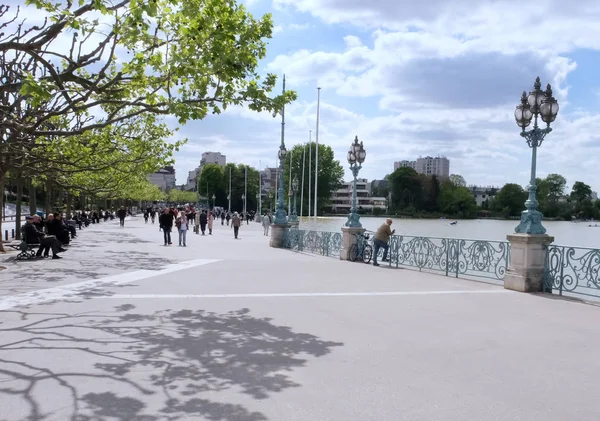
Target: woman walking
column 211, row 219
column 182, row 227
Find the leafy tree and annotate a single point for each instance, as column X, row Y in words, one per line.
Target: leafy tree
column 432, row 193
column 407, row 189
column 135, row 67
column 212, row 181
column 556, row 185
column 581, row 192
column 457, row 200
column 331, row 174
column 458, row 180
column 181, row 197
column 510, row 200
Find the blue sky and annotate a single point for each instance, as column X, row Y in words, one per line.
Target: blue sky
column 424, row 78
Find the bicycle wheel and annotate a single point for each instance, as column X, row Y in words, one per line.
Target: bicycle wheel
column 353, row 253
column 367, row 253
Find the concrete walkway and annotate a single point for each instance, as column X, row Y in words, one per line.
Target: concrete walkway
column 126, row 329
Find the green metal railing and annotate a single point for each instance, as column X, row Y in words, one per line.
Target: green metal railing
column 451, row 256
column 572, row 270
column 324, row 243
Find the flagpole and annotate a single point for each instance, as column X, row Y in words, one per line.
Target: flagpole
column 302, row 189
column 276, row 177
column 290, row 183
column 229, row 197
column 309, row 169
column 259, row 188
column 317, row 151
column 245, row 189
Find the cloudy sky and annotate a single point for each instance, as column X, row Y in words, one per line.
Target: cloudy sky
column 435, row 77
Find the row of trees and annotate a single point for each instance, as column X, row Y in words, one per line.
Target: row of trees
column 214, row 180
column 553, row 198
column 412, row 193
column 83, row 92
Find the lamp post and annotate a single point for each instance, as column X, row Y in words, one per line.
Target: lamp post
column 294, row 216
column 280, row 214
column 244, row 200
column 213, row 198
column 537, row 104
column 356, row 156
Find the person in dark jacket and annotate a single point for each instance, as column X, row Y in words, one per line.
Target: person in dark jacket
column 122, row 213
column 165, row 220
column 203, row 221
column 32, row 235
column 54, row 227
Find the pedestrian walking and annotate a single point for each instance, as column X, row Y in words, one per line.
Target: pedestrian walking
column 165, row 221
column 182, row 227
column 266, row 223
column 122, row 213
column 236, row 221
column 203, row 222
column 382, row 238
column 210, row 222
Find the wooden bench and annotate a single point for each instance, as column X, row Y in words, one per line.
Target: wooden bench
column 27, row 251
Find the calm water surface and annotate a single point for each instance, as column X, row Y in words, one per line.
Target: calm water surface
column 565, row 233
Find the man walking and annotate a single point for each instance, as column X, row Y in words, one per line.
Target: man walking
column 122, row 213
column 266, row 223
column 382, row 237
column 236, row 221
column 166, row 224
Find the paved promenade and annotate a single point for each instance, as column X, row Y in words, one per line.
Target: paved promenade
column 126, row 329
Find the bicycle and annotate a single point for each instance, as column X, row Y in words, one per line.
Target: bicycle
column 361, row 249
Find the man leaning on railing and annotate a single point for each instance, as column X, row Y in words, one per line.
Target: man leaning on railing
column 382, row 237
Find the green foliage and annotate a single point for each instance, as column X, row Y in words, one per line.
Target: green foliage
column 510, row 200
column 182, row 197
column 458, row 180
column 331, row 174
column 214, row 180
column 407, row 189
column 456, row 200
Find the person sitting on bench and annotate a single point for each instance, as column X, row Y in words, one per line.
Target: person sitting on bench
column 31, row 235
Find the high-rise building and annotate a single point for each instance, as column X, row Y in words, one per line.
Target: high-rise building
column 213, row 158
column 163, row 178
column 439, row 165
column 207, row 158
column 401, row 164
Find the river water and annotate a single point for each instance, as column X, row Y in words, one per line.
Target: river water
column 564, row 233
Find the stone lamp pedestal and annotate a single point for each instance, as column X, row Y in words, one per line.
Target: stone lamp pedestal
column 278, row 232
column 527, row 258
column 348, row 240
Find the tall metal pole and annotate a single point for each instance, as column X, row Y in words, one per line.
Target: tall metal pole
column 245, row 188
column 309, row 169
column 317, row 151
column 302, row 189
column 280, row 214
column 276, row 179
column 229, row 197
column 259, row 188
column 290, row 184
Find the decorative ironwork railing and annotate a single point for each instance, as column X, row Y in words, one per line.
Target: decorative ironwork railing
column 451, row 256
column 574, row 270
column 324, row 243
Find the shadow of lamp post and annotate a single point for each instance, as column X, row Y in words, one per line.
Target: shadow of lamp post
column 538, row 104
column 356, row 156
column 293, row 219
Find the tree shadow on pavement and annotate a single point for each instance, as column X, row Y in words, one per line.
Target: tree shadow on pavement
column 168, row 365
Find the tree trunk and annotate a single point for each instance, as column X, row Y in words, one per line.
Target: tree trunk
column 32, row 199
column 68, row 200
column 18, row 207
column 2, row 174
column 48, row 197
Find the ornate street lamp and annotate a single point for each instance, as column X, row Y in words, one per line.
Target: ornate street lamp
column 356, row 156
column 280, row 214
column 538, row 104
column 294, row 216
